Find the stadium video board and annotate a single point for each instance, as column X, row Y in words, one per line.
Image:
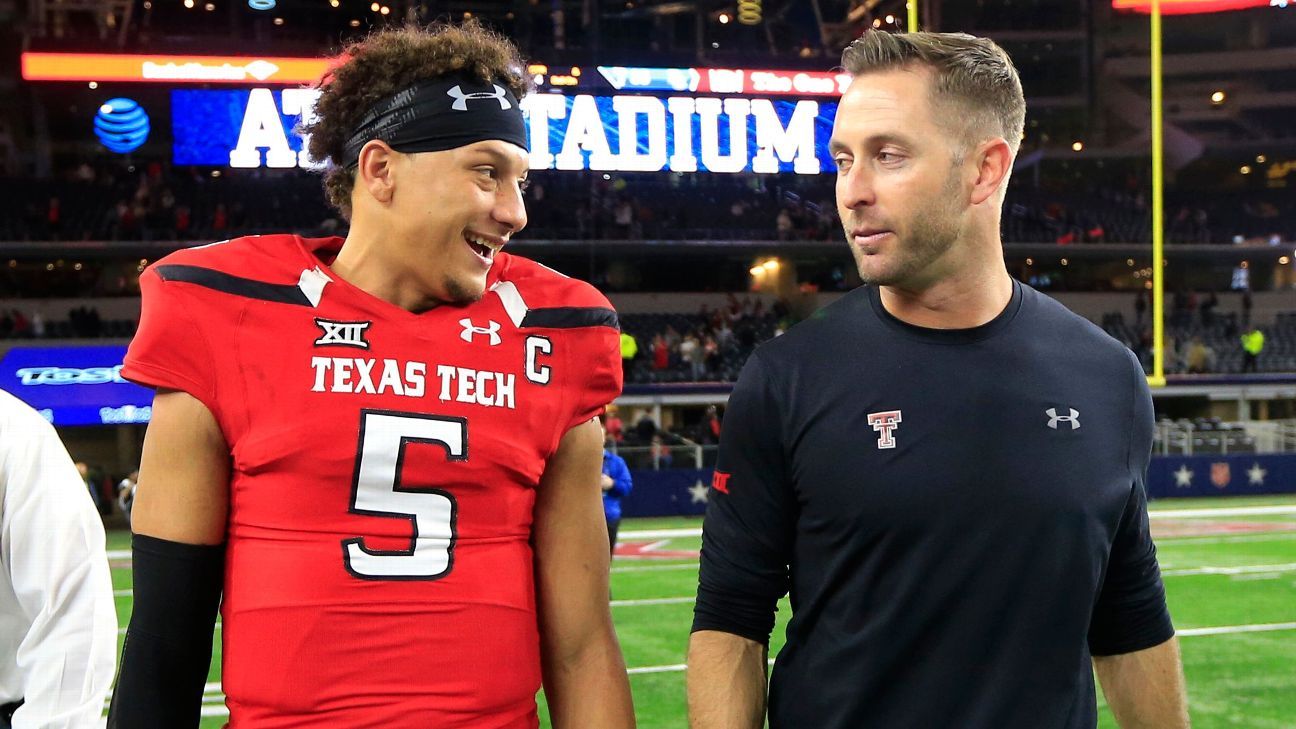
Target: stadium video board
column 75, row 385
column 257, row 127
column 1191, row 7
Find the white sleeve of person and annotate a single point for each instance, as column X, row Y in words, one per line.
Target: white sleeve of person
column 58, row 626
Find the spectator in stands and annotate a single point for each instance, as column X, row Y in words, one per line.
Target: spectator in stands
column 691, row 354
column 1252, row 345
column 613, row 424
column 220, row 219
column 59, row 642
column 1207, row 309
column 645, row 428
column 1201, row 357
column 708, row 432
column 661, row 453
column 616, row 484
column 783, row 225
column 624, row 218
column 126, row 493
column 629, row 350
column 660, row 353
column 21, row 325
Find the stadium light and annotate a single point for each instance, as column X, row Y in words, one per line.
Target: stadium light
column 724, row 18
column 1246, row 169
column 261, row 4
column 1218, row 98
column 1261, row 159
column 374, row 7
column 278, row 21
column 1077, row 146
column 94, row 85
column 189, row 4
column 334, row 3
column 756, row 271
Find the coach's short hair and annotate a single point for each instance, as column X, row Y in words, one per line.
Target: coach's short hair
column 389, row 61
column 974, row 78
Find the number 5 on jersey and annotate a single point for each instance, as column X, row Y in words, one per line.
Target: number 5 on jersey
column 376, row 491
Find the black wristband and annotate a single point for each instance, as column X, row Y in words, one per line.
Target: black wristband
column 168, row 646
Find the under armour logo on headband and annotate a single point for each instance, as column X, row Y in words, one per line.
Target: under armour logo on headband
column 461, row 99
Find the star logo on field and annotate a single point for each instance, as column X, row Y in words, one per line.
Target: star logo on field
column 1256, row 474
column 1183, row 477
column 698, row 492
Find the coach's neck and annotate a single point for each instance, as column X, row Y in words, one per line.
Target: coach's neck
column 967, row 287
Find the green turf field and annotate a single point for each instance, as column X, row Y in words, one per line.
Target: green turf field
column 1230, row 578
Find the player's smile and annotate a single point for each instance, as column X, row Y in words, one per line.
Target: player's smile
column 484, row 247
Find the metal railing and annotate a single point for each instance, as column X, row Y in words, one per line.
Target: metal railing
column 1185, row 438
column 658, row 457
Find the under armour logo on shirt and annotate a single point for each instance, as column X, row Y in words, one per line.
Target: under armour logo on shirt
column 885, row 424
column 1054, row 418
column 470, row 331
column 461, row 99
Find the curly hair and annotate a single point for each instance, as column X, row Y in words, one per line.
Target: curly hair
column 391, row 60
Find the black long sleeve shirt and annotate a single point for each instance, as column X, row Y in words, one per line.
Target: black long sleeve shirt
column 959, row 515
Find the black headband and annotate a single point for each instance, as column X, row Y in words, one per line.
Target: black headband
column 441, row 114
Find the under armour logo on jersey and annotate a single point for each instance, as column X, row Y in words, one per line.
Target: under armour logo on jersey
column 342, row 333
column 461, row 99
column 885, row 424
column 1054, row 418
column 470, row 331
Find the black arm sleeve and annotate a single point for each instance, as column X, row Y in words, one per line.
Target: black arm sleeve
column 751, row 515
column 1131, row 613
column 168, row 646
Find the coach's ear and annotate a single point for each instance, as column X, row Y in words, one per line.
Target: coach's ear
column 993, row 159
column 374, row 170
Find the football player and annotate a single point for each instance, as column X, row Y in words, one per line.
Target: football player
column 380, row 454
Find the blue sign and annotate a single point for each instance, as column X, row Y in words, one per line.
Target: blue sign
column 684, row 492
column 75, row 385
column 121, row 125
column 1243, row 474
column 631, row 133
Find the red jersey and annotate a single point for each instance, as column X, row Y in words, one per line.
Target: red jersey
column 384, row 466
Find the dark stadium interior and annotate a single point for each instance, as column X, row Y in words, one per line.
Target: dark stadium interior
column 79, row 222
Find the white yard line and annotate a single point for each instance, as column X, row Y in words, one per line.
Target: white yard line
column 656, row 568
column 1238, row 570
column 1222, row 511
column 1231, row 629
column 654, row 601
column 660, row 533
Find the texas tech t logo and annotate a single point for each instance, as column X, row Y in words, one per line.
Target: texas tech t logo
column 342, row 333
column 885, row 424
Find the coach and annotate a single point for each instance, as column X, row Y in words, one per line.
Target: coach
column 945, row 468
